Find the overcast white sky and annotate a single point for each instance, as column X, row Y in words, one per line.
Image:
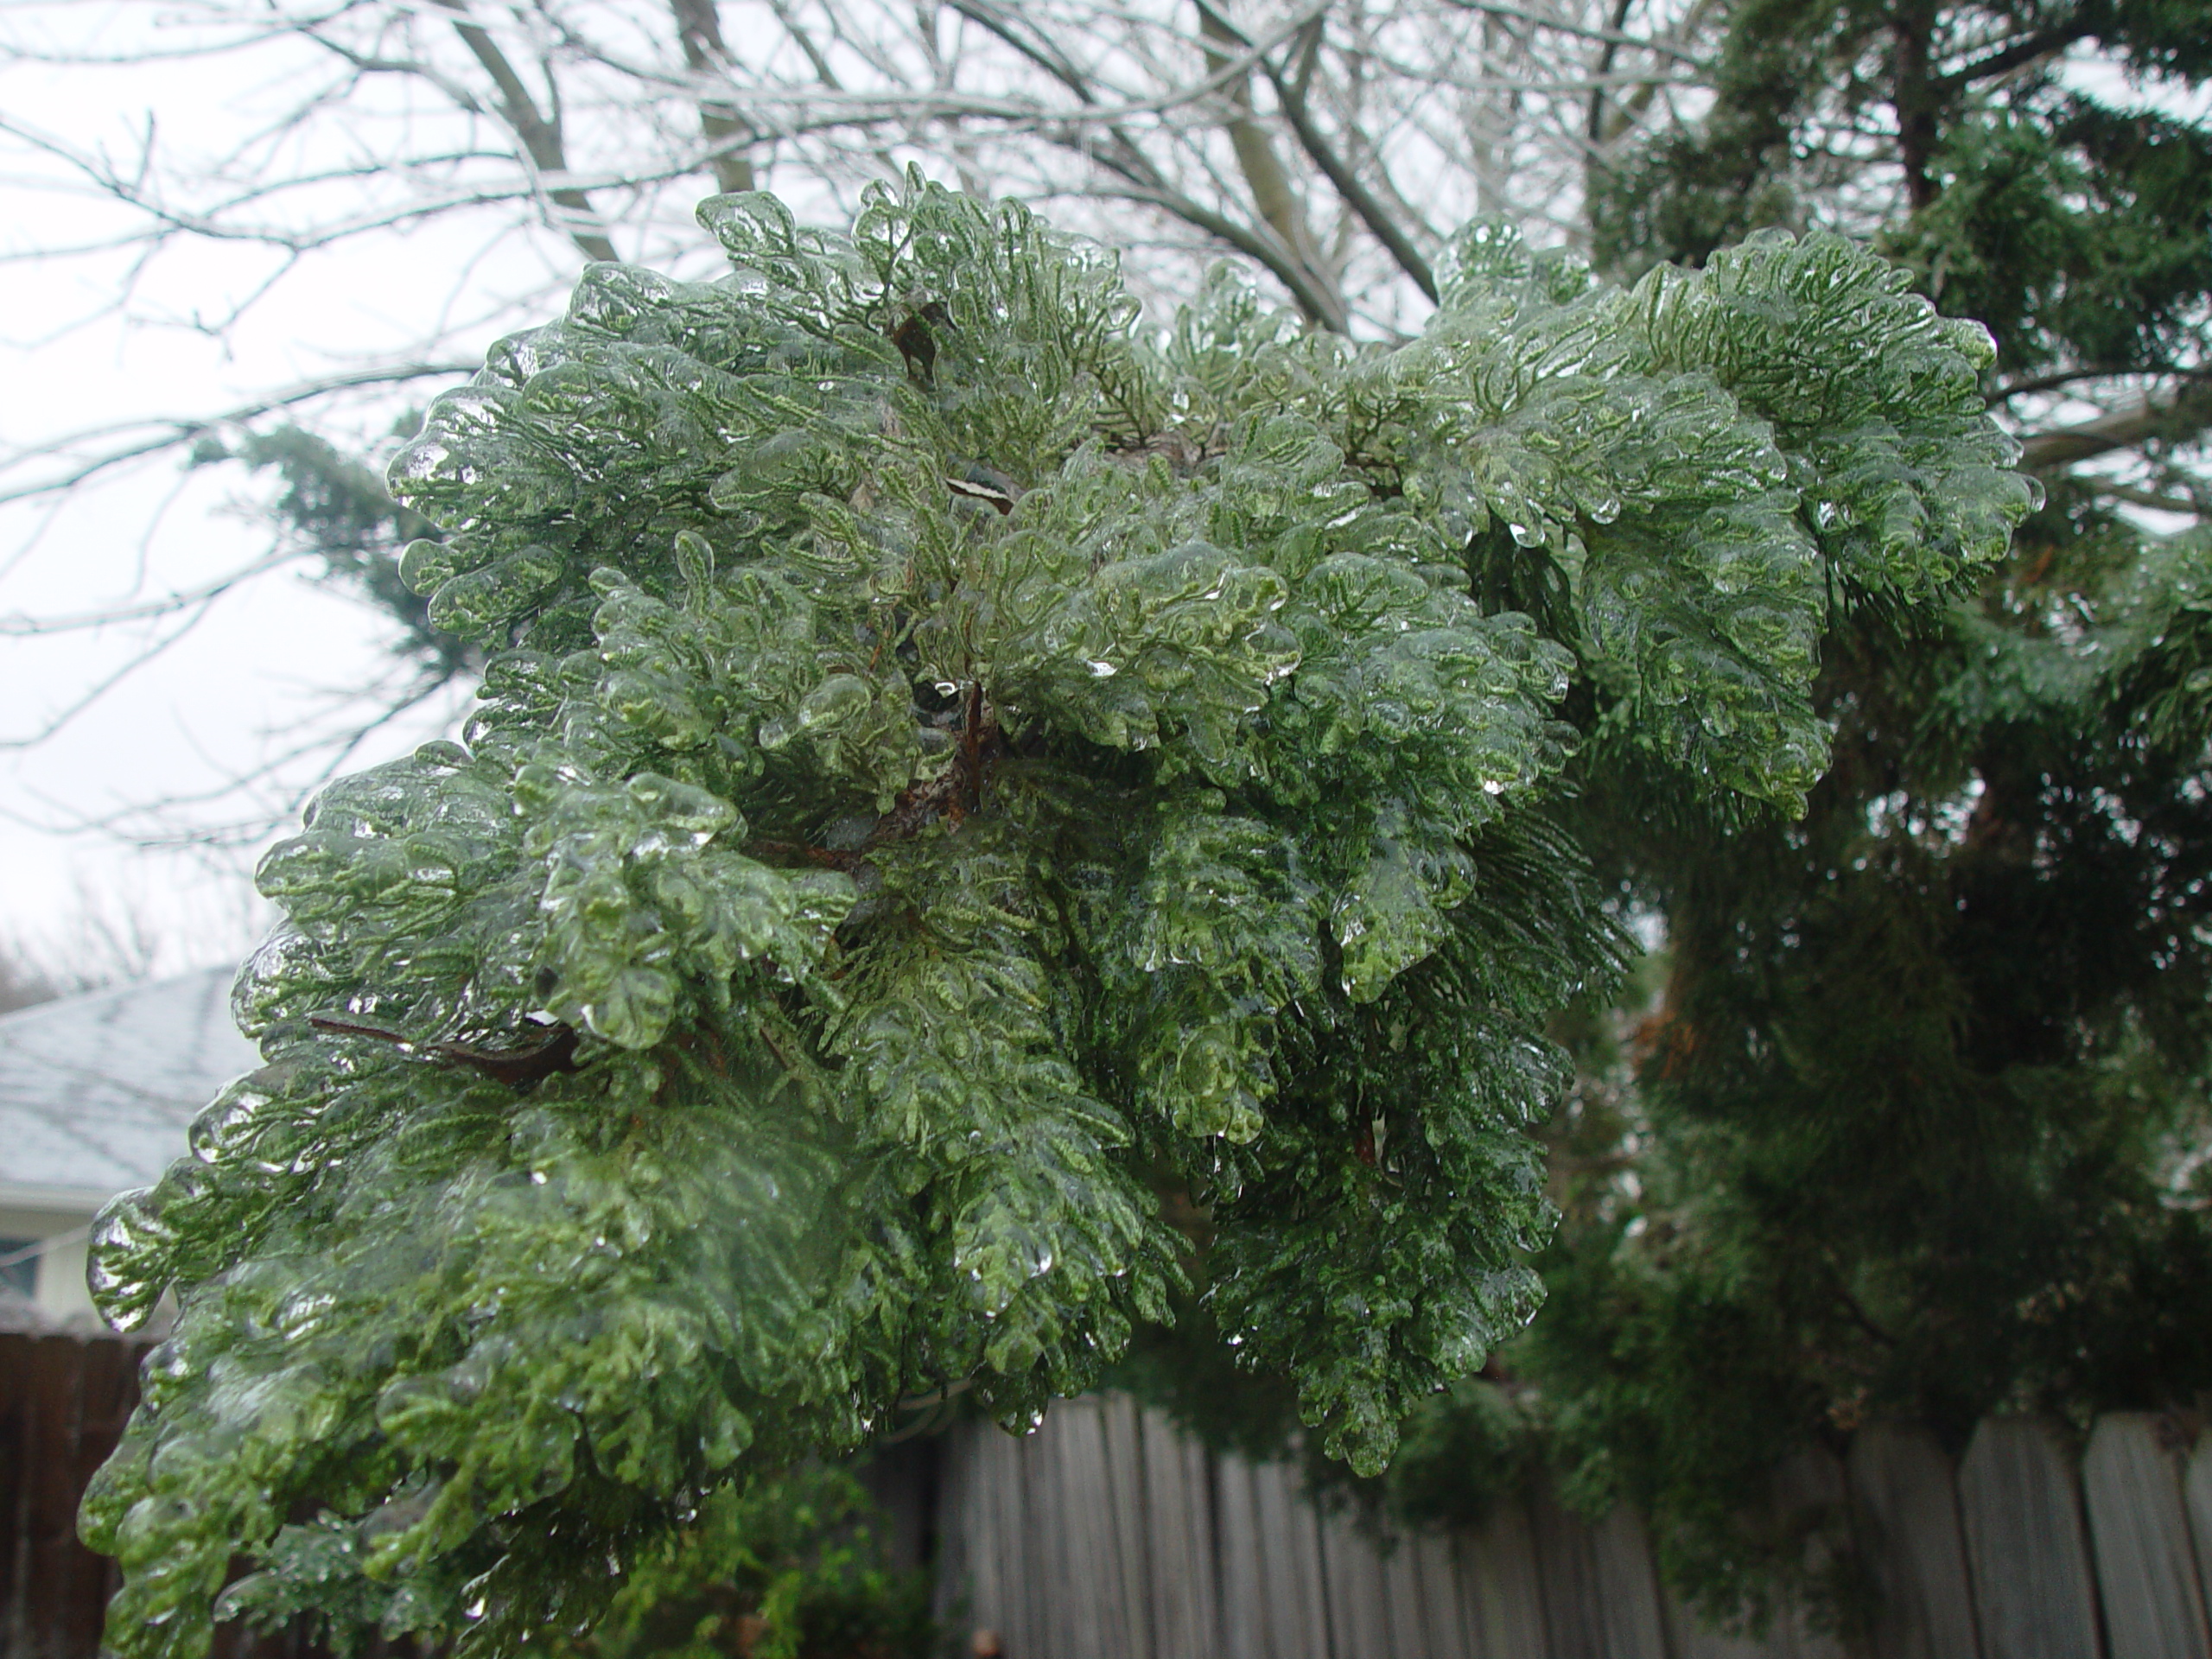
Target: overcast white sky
column 259, row 664
column 277, row 656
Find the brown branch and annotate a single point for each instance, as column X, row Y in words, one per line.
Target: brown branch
column 1320, row 304
column 516, row 1067
column 1611, row 46
column 956, row 791
column 2026, row 49
column 955, row 794
column 979, row 736
column 540, row 133
column 1916, row 99
column 1357, row 196
column 830, row 858
column 2177, row 504
column 699, row 28
column 1272, row 195
column 1047, row 57
column 2187, row 413
column 1633, row 108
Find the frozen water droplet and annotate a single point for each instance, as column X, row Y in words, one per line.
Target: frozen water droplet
column 837, row 700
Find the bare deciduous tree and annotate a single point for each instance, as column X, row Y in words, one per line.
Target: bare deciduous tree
column 1332, row 143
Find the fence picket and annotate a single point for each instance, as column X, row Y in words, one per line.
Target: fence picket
column 2021, row 1507
column 1133, row 1527
column 1809, row 1480
column 1290, row 1565
column 19, row 1449
column 986, row 1599
column 955, row 1528
column 63, row 1575
column 1501, row 1586
column 1436, row 1574
column 1810, row 1486
column 2197, row 1504
column 1006, row 1566
column 1689, row 1637
column 1111, row 1535
column 1401, row 1600
column 1359, row 1619
column 1567, row 1570
column 1628, row 1588
column 1906, row 1500
column 2154, row 1608
column 1088, row 1594
column 1243, row 1591
column 108, row 1390
column 1185, row 1570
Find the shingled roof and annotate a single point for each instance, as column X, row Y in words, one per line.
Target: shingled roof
column 96, row 1091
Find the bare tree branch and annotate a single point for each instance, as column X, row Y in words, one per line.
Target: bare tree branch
column 1363, row 201
column 1273, row 195
column 2174, row 420
column 2041, row 43
column 53, row 725
column 22, row 626
column 113, row 448
column 699, row 28
column 2058, row 379
column 2186, row 505
column 540, row 134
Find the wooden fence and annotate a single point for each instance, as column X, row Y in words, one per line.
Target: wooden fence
column 62, row 1405
column 1108, row 1535
column 63, row 1402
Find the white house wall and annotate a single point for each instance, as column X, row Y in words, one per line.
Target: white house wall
column 96, row 1094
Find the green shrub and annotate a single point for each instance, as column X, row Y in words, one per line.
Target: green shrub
column 949, row 765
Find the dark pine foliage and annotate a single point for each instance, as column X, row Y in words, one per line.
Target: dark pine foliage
column 1914, row 1123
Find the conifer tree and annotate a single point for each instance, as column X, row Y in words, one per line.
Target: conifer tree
column 1914, row 1128
column 950, row 767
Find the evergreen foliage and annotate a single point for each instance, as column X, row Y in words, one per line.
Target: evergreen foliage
column 1919, row 1119
column 1914, row 1126
column 779, row 1567
column 951, row 768
column 2072, row 224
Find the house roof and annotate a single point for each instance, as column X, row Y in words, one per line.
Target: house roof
column 97, row 1091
